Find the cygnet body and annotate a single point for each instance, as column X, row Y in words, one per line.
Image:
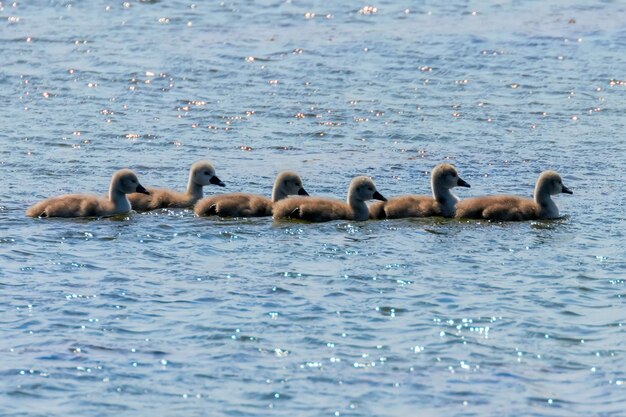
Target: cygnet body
column 442, row 203
column 123, row 182
column 319, row 209
column 514, row 208
column 201, row 173
column 251, row 205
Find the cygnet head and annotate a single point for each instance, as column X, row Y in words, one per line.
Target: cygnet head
column 550, row 182
column 290, row 183
column 125, row 181
column 362, row 188
column 203, row 173
column 445, row 176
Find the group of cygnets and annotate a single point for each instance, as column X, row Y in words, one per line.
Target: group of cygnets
column 291, row 201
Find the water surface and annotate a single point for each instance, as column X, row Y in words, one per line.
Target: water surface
column 171, row 314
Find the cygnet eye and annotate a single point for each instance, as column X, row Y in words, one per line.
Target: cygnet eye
column 370, row 188
column 453, row 175
column 207, row 173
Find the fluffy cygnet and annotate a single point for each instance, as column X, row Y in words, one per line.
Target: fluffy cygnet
column 250, row 205
column 123, row 182
column 442, row 203
column 201, row 173
column 513, row 208
column 323, row 209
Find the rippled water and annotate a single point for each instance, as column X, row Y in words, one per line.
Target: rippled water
column 167, row 314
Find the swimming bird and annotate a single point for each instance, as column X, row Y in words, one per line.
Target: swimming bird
column 513, row 208
column 250, row 205
column 324, row 209
column 201, row 173
column 123, row 182
column 442, row 203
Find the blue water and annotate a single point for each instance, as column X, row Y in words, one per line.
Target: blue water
column 168, row 314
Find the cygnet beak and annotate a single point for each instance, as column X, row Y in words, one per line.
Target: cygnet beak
column 141, row 189
column 566, row 190
column 216, row 181
column 462, row 183
column 302, row 191
column 379, row 196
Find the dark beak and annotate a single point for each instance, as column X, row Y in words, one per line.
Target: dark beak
column 142, row 190
column 462, row 183
column 566, row 190
column 379, row 196
column 216, row 181
column 302, row 191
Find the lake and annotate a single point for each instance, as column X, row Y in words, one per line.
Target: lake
column 164, row 313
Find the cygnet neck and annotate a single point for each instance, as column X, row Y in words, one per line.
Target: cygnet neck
column 118, row 197
column 193, row 188
column 547, row 206
column 358, row 206
column 445, row 198
column 278, row 192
